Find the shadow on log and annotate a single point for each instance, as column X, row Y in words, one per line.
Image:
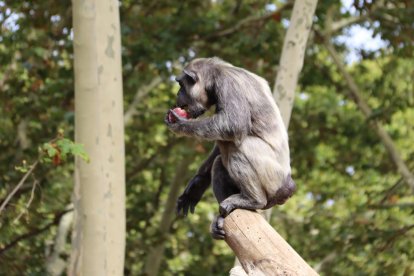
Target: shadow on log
column 259, row 248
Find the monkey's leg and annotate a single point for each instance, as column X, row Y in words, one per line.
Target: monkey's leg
column 223, row 187
column 251, row 195
column 239, row 201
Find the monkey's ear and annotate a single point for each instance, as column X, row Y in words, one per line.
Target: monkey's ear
column 191, row 75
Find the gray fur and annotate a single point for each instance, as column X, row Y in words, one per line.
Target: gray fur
column 250, row 165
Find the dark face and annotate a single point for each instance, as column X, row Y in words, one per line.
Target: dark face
column 192, row 96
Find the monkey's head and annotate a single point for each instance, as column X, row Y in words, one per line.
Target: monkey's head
column 196, row 94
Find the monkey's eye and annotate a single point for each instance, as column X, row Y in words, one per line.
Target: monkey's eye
column 191, row 80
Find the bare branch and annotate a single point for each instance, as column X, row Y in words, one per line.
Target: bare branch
column 140, row 94
column 155, row 255
column 145, row 162
column 397, row 234
column 343, row 23
column 389, row 206
column 55, row 264
column 35, row 182
column 20, row 184
column 247, row 22
column 325, row 261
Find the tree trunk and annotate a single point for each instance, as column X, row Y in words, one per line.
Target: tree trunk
column 260, row 249
column 293, row 54
column 291, row 60
column 99, row 196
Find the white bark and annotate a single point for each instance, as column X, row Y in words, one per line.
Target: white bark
column 293, row 54
column 291, row 60
column 99, row 194
column 55, row 265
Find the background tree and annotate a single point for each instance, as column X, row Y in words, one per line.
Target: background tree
column 99, row 196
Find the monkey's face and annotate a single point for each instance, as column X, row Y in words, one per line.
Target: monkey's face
column 192, row 95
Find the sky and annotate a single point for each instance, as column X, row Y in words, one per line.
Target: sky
column 355, row 38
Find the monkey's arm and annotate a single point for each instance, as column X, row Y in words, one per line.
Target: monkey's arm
column 231, row 125
column 205, row 168
column 197, row 185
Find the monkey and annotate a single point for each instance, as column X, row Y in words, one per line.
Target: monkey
column 249, row 166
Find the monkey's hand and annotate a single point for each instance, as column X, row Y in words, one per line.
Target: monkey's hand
column 192, row 194
column 175, row 119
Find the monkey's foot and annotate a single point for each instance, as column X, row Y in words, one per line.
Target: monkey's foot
column 226, row 207
column 237, row 201
column 216, row 228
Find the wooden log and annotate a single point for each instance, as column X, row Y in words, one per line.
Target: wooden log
column 259, row 248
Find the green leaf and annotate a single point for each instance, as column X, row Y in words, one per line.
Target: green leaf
column 22, row 169
column 78, row 150
column 65, row 146
column 50, row 149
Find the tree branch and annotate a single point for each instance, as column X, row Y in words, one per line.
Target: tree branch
column 247, row 21
column 143, row 163
column 356, row 96
column 35, row 182
column 260, row 249
column 139, row 95
column 34, row 232
column 55, row 264
column 155, row 255
column 343, row 23
column 325, row 261
column 9, row 197
column 406, row 205
column 391, row 190
column 397, row 233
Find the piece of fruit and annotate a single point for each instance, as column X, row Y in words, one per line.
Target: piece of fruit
column 180, row 112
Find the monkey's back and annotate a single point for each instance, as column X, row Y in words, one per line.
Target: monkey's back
column 261, row 161
column 262, row 157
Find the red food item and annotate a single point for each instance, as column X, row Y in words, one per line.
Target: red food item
column 180, row 112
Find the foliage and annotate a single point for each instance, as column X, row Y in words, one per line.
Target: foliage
column 351, row 205
column 59, row 149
